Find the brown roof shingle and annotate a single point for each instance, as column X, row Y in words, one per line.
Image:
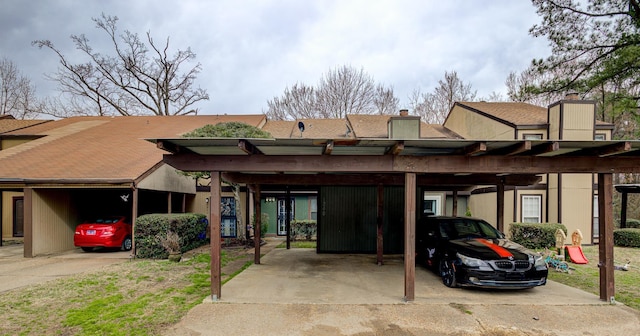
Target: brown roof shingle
column 514, row 113
column 10, row 124
column 100, row 148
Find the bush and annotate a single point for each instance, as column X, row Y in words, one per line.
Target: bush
column 626, row 237
column 536, row 235
column 303, row 229
column 152, row 229
column 264, row 224
column 633, row 223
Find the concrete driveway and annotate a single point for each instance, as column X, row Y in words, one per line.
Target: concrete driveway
column 17, row 271
column 299, row 292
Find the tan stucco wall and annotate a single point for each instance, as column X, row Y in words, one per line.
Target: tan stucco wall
column 577, row 204
column 471, row 125
column 8, row 143
column 484, row 206
column 53, row 219
column 7, row 212
column 554, row 122
column 167, row 178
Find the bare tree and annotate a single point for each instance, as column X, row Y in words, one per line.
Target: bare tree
column 433, row 107
column 17, row 94
column 341, row 91
column 519, row 88
column 137, row 79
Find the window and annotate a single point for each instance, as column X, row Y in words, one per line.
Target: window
column 531, row 208
column 313, row 207
column 532, row 136
column 600, row 137
column 431, row 204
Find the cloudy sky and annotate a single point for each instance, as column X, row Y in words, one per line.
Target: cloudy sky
column 251, row 51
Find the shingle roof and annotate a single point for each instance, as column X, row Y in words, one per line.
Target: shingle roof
column 514, row 113
column 10, row 124
column 100, row 148
column 518, row 114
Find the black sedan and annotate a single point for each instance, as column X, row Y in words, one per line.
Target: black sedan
column 470, row 252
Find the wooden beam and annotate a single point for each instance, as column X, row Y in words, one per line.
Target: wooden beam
column 461, row 182
column 27, row 208
column 248, row 147
column 328, row 148
column 214, row 204
column 257, row 229
column 474, row 149
column 516, row 149
column 605, row 245
column 380, row 224
column 168, row 146
column 623, row 210
column 396, row 149
column 287, row 207
column 454, row 207
column 545, row 148
column 409, row 236
column 617, row 148
column 500, row 206
column 490, row 164
column 134, row 215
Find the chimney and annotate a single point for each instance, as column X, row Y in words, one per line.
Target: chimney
column 404, row 126
column 572, row 96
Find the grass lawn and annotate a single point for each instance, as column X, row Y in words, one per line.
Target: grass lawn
column 298, row 244
column 587, row 277
column 139, row 297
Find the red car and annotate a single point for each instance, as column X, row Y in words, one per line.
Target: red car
column 107, row 232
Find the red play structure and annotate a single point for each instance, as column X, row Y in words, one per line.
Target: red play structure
column 574, row 252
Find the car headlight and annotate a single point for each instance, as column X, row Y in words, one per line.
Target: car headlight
column 539, row 262
column 473, row 262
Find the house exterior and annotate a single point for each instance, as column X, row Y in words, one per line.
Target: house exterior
column 55, row 174
column 558, row 198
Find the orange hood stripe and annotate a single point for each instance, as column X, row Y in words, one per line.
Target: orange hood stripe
column 501, row 251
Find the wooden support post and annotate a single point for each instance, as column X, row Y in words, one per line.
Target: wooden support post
column 216, row 245
column 257, row 229
column 623, row 210
column 134, row 217
column 287, row 209
column 500, row 206
column 409, row 236
column 380, row 223
column 169, row 194
column 454, row 208
column 28, row 222
column 184, row 203
column 605, row 213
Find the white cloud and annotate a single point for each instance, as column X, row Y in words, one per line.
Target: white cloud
column 251, row 50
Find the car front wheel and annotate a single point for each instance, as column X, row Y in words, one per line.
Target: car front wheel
column 127, row 244
column 448, row 274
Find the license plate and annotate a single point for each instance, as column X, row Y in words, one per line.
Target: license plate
column 91, row 232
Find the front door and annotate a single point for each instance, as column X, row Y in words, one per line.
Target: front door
column 18, row 216
column 282, row 215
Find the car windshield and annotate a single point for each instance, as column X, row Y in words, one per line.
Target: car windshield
column 462, row 228
column 105, row 220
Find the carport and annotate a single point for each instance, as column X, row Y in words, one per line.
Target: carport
column 445, row 164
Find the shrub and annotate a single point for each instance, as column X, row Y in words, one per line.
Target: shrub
column 152, row 229
column 264, row 224
column 303, row 229
column 626, row 237
column 536, row 235
column 633, row 223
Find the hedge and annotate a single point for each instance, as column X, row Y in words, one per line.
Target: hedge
column 626, row 237
column 150, row 229
column 536, row 235
column 303, row 229
column 632, row 224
